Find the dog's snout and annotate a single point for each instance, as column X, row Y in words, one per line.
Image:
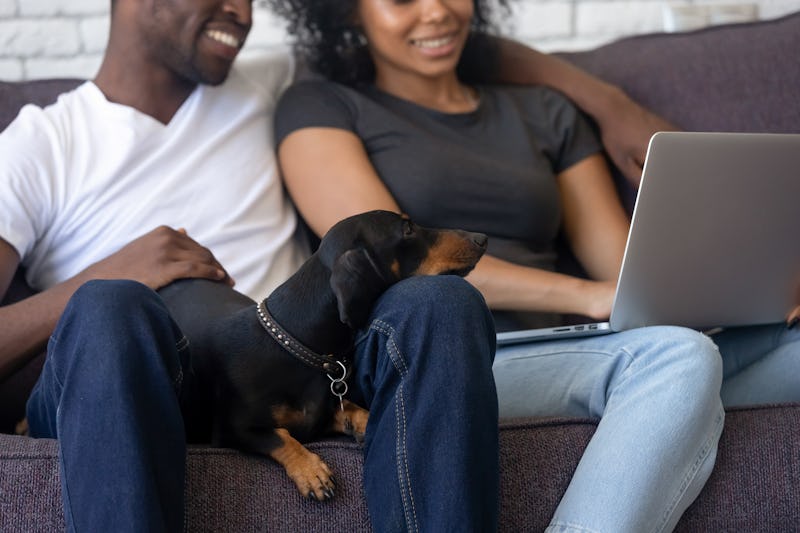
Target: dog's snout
column 480, row 240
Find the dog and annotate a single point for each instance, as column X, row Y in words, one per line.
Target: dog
column 274, row 374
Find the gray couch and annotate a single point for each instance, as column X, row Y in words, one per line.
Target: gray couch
column 732, row 78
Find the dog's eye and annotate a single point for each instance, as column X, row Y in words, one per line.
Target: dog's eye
column 408, row 228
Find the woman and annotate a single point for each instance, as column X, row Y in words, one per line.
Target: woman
column 400, row 127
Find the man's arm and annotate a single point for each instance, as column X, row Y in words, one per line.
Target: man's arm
column 626, row 127
column 155, row 259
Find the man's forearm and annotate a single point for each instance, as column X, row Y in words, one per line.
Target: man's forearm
column 625, row 126
column 26, row 326
column 520, row 64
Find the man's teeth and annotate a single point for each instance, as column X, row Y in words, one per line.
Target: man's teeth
column 224, row 38
column 432, row 43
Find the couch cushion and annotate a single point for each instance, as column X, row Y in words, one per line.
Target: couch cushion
column 753, row 487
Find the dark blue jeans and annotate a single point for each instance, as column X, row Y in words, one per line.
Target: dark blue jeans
column 116, row 378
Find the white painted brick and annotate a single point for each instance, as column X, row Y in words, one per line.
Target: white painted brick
column 569, row 44
column 541, row 19
column 31, row 37
column 618, row 18
column 268, row 30
column 769, row 9
column 42, row 38
column 11, row 70
column 73, row 67
column 8, row 8
column 49, row 8
column 94, row 34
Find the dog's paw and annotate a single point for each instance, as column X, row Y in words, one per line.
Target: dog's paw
column 350, row 429
column 313, row 478
column 22, row 428
column 352, row 420
column 306, row 469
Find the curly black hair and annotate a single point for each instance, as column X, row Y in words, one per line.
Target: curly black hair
column 334, row 46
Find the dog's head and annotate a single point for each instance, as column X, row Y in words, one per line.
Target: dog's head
column 367, row 253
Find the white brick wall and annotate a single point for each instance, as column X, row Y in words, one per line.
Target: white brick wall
column 45, row 38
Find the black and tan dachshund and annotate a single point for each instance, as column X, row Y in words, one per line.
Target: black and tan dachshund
column 274, row 373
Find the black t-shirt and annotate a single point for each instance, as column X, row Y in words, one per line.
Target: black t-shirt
column 492, row 170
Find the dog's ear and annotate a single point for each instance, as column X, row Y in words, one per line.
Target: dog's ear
column 357, row 282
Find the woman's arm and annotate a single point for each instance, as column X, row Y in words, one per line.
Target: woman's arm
column 626, row 127
column 595, row 222
column 330, row 177
column 596, row 226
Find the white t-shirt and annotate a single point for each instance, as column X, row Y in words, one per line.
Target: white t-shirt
column 83, row 177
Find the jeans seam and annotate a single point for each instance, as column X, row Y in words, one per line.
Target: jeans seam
column 69, row 518
column 403, row 473
column 595, row 351
column 705, row 450
column 556, row 526
column 51, row 349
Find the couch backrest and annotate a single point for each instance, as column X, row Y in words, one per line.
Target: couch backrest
column 14, row 95
column 740, row 77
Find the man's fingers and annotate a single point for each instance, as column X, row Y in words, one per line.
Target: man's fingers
column 629, row 166
column 194, row 269
column 633, row 172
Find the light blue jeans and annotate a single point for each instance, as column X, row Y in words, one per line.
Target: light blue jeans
column 761, row 364
column 656, row 392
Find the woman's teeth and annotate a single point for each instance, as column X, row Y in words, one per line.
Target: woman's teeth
column 432, row 43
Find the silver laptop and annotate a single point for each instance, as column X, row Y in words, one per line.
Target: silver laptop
column 713, row 239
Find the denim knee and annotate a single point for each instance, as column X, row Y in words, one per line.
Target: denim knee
column 437, row 322
column 117, row 297
column 439, row 298
column 112, row 319
column 694, row 353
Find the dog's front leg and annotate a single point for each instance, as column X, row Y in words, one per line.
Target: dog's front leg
column 351, row 420
column 308, row 471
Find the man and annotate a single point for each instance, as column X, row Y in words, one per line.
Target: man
column 169, row 136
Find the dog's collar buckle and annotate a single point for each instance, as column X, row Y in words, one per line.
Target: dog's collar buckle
column 336, row 369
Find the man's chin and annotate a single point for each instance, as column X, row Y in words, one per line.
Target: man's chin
column 215, row 78
column 214, row 82
column 216, row 75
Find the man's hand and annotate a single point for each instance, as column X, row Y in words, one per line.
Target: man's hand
column 626, row 128
column 158, row 258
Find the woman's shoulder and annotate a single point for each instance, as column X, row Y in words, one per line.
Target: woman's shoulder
column 312, row 88
column 318, row 103
column 322, row 97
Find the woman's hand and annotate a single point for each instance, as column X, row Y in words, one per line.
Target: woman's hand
column 598, row 299
column 793, row 317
